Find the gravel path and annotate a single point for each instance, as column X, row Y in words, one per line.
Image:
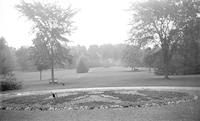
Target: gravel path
column 13, row 94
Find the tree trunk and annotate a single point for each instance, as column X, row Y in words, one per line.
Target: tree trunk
column 166, row 70
column 149, row 69
column 52, row 65
column 131, row 68
column 184, row 63
column 166, row 60
column 196, row 57
column 40, row 75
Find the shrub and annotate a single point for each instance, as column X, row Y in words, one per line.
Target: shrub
column 9, row 83
column 82, row 66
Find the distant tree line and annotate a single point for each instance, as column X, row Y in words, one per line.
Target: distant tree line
column 106, row 55
column 99, row 56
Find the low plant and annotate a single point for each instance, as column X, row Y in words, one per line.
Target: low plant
column 9, row 82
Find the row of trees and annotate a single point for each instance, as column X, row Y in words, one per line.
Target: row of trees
column 103, row 55
column 30, row 58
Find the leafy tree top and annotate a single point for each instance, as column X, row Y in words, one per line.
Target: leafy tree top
column 50, row 20
column 157, row 21
column 51, row 24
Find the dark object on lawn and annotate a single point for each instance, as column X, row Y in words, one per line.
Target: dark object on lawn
column 55, row 81
column 54, row 95
column 92, row 107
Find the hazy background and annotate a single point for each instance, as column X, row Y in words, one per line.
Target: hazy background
column 98, row 22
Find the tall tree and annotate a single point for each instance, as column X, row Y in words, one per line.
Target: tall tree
column 157, row 21
column 51, row 24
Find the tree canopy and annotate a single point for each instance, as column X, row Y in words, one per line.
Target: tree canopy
column 160, row 22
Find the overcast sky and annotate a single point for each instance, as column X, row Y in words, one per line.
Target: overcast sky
column 98, row 22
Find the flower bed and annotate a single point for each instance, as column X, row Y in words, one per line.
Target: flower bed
column 96, row 100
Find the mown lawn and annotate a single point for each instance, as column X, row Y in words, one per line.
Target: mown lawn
column 102, row 77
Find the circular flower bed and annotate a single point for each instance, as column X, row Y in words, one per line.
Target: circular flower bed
column 96, row 100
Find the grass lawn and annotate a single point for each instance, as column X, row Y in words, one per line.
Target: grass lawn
column 102, row 77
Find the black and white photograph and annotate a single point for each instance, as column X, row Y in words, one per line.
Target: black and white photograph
column 99, row 60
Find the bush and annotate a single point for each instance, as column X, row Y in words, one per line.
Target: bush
column 10, row 83
column 82, row 66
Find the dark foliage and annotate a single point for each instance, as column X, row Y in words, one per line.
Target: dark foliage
column 10, row 83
